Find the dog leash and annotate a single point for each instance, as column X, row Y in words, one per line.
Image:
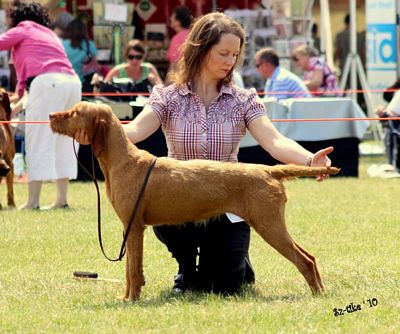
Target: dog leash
column 133, row 213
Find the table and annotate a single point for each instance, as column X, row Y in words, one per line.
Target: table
column 343, row 135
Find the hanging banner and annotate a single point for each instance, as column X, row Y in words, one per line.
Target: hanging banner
column 381, row 45
column 145, row 9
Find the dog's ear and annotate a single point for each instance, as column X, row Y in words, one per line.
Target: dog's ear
column 99, row 136
column 5, row 102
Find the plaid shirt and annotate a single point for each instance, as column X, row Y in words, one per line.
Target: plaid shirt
column 192, row 132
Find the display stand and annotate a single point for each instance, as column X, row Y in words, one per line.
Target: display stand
column 354, row 67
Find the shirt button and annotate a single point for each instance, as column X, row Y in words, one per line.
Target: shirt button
column 204, row 134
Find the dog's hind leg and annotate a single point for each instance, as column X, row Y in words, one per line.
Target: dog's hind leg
column 10, row 187
column 134, row 249
column 271, row 226
column 312, row 258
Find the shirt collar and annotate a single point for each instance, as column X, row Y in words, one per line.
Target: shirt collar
column 186, row 89
column 276, row 73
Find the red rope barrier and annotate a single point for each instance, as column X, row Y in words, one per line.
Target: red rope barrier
column 262, row 93
column 278, row 120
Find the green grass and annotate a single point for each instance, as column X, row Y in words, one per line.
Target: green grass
column 350, row 225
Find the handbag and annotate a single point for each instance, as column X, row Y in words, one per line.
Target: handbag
column 89, row 64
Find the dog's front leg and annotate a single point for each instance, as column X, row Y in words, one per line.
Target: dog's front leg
column 134, row 247
column 127, row 280
column 10, row 187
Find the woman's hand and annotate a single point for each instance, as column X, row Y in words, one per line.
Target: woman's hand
column 82, row 137
column 320, row 159
column 14, row 98
column 381, row 111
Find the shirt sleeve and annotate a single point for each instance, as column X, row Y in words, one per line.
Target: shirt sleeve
column 11, row 38
column 157, row 102
column 254, row 107
column 394, row 105
column 92, row 48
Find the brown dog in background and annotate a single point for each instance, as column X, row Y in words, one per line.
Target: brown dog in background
column 7, row 148
column 182, row 191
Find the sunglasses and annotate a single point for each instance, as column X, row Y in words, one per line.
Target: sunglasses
column 137, row 57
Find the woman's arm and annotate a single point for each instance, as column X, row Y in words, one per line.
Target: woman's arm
column 154, row 77
column 114, row 72
column 284, row 149
column 144, row 125
column 316, row 80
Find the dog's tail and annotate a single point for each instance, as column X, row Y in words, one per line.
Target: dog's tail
column 288, row 171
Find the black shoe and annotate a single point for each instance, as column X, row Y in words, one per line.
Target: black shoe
column 179, row 286
column 249, row 276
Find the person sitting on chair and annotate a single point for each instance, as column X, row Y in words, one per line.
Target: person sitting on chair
column 134, row 75
column 318, row 76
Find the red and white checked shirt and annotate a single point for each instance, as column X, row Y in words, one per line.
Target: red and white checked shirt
column 192, row 132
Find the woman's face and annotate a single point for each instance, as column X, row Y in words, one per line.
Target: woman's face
column 301, row 60
column 134, row 58
column 174, row 23
column 222, row 57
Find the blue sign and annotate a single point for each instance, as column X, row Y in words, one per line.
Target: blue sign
column 381, row 47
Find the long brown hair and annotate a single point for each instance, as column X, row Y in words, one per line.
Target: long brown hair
column 204, row 34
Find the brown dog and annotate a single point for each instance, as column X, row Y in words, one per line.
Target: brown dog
column 181, row 191
column 7, row 148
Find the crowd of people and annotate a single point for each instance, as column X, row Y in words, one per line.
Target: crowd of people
column 202, row 111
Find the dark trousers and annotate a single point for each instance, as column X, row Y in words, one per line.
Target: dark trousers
column 222, row 250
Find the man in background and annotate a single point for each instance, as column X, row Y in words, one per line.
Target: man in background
column 281, row 83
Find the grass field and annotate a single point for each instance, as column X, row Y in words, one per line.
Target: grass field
column 351, row 225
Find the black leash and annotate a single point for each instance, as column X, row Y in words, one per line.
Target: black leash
column 133, row 214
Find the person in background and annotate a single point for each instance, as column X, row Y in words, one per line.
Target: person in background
column 78, row 48
column 43, row 69
column 315, row 37
column 204, row 116
column 281, row 83
column 391, row 130
column 318, row 76
column 59, row 16
column 342, row 51
column 144, row 75
column 180, row 21
column 342, row 45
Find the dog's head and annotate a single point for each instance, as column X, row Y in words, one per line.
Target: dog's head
column 93, row 118
column 5, row 109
